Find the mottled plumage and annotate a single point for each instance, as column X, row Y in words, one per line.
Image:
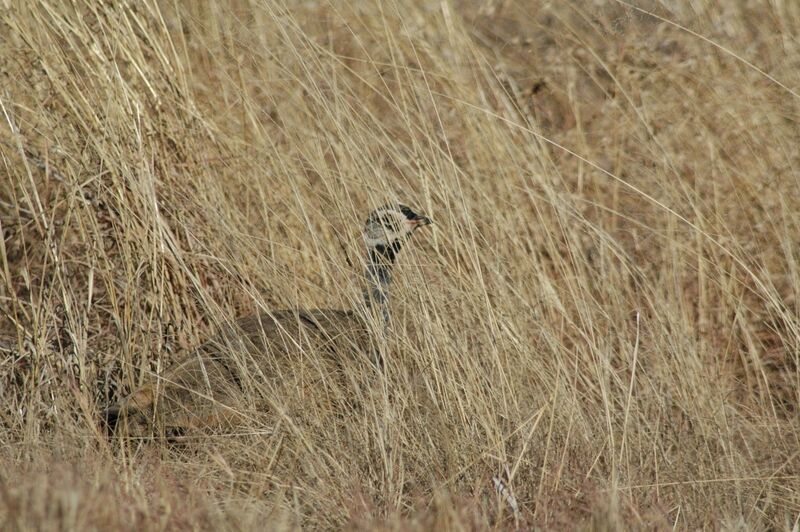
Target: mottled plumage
column 207, row 387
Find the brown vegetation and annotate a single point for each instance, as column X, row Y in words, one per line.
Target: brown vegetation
column 605, row 315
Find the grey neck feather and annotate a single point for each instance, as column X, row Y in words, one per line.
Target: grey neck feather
column 379, row 277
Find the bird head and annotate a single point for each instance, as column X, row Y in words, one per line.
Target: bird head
column 388, row 227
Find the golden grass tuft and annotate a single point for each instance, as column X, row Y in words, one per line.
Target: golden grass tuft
column 605, row 315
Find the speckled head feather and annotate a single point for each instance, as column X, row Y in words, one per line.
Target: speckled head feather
column 390, row 225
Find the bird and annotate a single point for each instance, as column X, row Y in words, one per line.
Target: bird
column 201, row 390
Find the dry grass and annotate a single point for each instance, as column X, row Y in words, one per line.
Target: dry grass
column 605, row 315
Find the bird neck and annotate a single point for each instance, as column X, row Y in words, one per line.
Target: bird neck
column 379, row 277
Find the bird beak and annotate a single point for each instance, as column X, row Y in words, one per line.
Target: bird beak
column 420, row 221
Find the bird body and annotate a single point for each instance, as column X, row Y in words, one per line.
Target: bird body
column 206, row 388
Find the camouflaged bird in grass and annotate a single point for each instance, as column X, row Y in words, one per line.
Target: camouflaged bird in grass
column 210, row 388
